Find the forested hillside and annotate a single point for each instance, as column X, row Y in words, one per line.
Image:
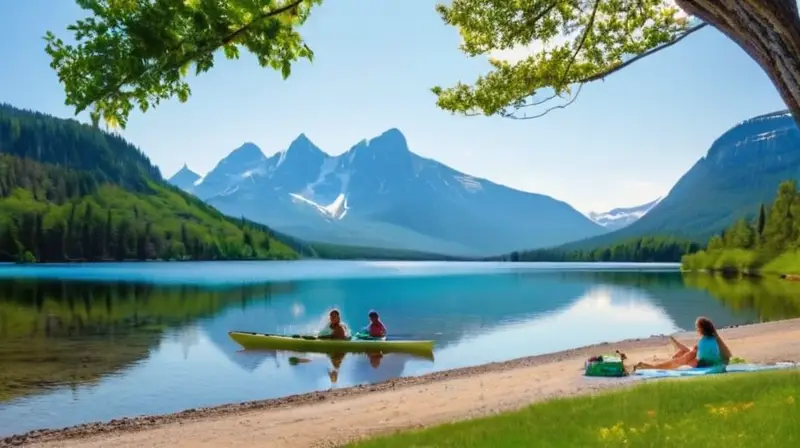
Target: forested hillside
column 768, row 243
column 642, row 250
column 69, row 191
column 741, row 170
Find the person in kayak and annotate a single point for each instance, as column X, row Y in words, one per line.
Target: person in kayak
column 376, row 328
column 335, row 328
column 710, row 350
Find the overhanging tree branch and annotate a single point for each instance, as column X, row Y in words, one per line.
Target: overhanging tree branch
column 611, row 71
column 597, row 76
column 211, row 48
column 549, row 109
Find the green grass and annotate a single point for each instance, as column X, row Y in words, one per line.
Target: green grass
column 741, row 260
column 737, row 410
column 732, row 260
column 785, row 263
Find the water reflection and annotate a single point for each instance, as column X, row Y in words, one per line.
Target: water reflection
column 55, row 333
column 340, row 369
column 771, row 299
column 72, row 351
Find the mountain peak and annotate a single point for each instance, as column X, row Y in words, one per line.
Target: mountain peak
column 185, row 171
column 248, row 150
column 303, row 143
column 390, row 141
column 244, row 155
column 184, row 178
column 620, row 217
column 392, row 138
column 302, row 138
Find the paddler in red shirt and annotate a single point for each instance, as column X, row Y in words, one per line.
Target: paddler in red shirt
column 376, row 328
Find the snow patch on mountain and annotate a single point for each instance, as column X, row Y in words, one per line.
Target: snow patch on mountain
column 335, row 210
column 469, row 183
column 257, row 171
column 623, row 216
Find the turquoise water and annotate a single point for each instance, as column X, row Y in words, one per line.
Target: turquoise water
column 96, row 342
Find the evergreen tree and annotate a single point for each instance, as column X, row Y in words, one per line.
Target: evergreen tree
column 779, row 229
column 65, row 189
column 108, row 236
column 39, row 237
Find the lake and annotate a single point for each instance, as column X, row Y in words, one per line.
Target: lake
column 94, row 342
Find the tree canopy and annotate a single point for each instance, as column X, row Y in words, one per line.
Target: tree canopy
column 648, row 249
column 579, row 42
column 131, row 53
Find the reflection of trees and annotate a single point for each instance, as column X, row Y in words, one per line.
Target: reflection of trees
column 771, row 299
column 59, row 332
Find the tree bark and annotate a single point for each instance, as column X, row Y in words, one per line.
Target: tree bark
column 768, row 30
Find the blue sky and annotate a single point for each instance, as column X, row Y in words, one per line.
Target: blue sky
column 625, row 141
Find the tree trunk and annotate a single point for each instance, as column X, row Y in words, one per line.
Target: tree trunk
column 768, row 30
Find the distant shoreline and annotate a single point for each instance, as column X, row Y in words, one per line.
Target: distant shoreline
column 291, row 421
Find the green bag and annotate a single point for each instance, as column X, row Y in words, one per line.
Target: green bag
column 605, row 365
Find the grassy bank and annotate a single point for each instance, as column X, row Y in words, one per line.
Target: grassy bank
column 767, row 245
column 743, row 261
column 739, row 410
column 770, row 298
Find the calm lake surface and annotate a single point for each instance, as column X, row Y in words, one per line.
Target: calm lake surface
column 102, row 341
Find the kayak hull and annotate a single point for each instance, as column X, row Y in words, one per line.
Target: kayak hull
column 261, row 341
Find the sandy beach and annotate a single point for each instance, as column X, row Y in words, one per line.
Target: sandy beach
column 331, row 418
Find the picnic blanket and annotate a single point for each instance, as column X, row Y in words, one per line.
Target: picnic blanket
column 733, row 368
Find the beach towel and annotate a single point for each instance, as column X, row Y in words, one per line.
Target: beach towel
column 734, row 368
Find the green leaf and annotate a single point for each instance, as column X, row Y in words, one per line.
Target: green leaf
column 286, row 69
column 231, row 52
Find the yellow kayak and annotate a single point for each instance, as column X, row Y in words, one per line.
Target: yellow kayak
column 301, row 343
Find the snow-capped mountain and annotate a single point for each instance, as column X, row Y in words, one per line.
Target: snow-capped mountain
column 622, row 216
column 184, row 178
column 381, row 194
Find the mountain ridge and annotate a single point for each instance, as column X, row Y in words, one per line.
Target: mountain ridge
column 620, row 217
column 184, row 178
column 741, row 170
column 380, row 193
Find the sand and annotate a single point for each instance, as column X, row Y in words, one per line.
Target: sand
column 335, row 417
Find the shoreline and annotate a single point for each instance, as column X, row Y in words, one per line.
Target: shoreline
column 560, row 374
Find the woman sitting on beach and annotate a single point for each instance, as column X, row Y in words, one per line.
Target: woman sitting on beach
column 710, row 350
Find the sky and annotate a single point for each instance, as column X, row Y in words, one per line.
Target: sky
column 624, row 142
